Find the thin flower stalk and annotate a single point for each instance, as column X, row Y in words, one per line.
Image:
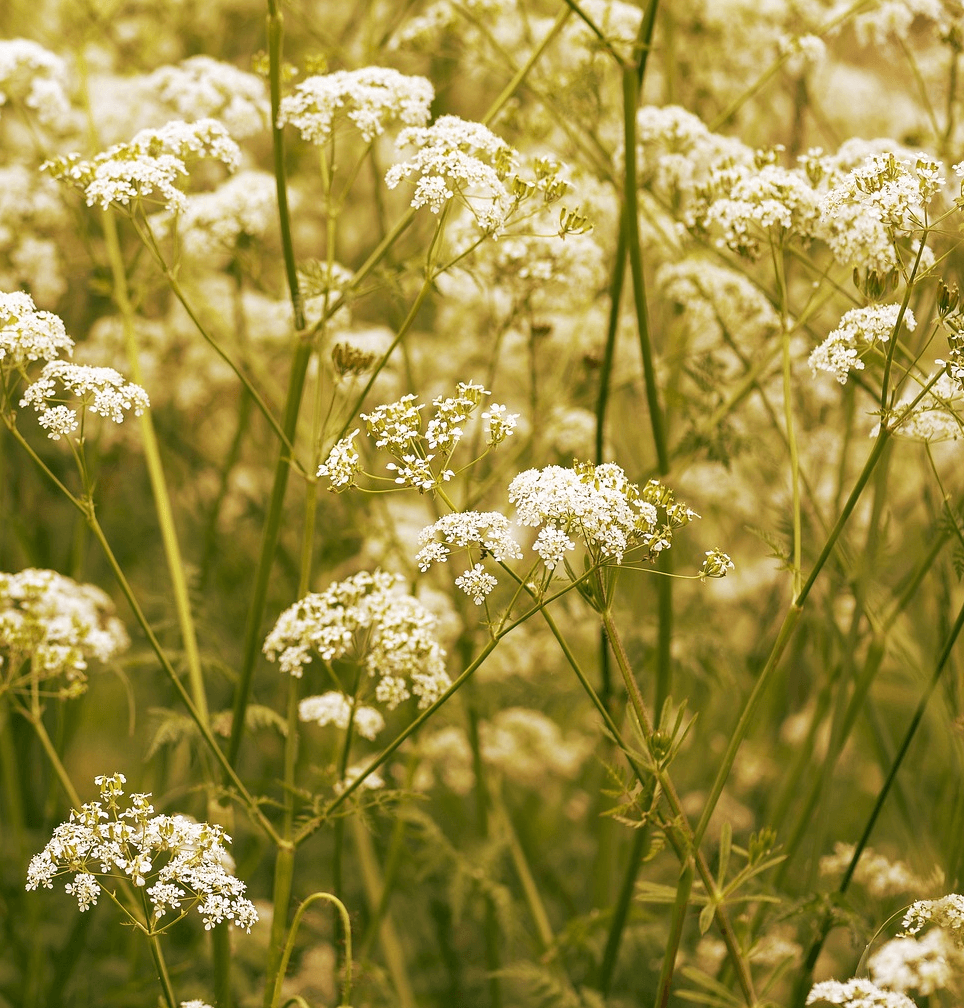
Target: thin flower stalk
column 779, row 268
column 86, row 508
column 631, row 211
column 683, row 850
column 155, row 469
column 813, row 953
column 793, row 614
column 688, row 844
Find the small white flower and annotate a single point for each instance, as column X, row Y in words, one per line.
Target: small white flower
column 476, row 583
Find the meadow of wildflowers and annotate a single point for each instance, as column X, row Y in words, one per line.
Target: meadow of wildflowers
column 481, row 517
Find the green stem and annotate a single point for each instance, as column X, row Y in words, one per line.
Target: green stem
column 221, row 956
column 779, row 269
column 520, row 75
column 155, row 470
column 278, row 951
column 794, row 612
column 290, row 944
column 36, row 720
column 631, row 211
column 683, row 889
column 162, row 975
column 387, row 934
column 529, row 888
column 296, row 385
column 617, row 925
column 493, row 946
column 683, row 851
column 689, row 845
column 612, row 328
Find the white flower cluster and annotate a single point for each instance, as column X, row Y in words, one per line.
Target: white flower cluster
column 185, row 860
column 924, row 965
column 204, row 88
column 528, row 747
column 879, row 876
column 27, row 334
column 545, row 271
column 891, row 20
column 151, row 163
column 485, row 531
column 761, row 200
column 892, row 189
column 101, row 390
column 397, row 426
column 392, row 631
column 946, row 912
column 857, row 994
column 370, row 99
column 35, row 76
column 336, row 708
column 858, row 331
column 212, row 223
column 425, row 29
column 342, row 463
column 598, row 506
column 457, row 157
column 57, row 625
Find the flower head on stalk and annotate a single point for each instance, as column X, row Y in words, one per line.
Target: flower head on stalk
column 857, row 994
column 369, row 99
column 151, row 163
column 465, row 161
column 481, row 534
column 101, row 390
column 859, row 330
column 28, row 335
column 185, row 861
column 204, row 88
column 51, row 626
column 370, row 619
column 599, row 507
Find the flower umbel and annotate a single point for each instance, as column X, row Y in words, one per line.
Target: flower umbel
column 368, row 618
column 101, row 390
column 57, row 626
column 185, row 860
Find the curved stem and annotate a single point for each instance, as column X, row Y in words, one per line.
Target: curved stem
column 290, row 943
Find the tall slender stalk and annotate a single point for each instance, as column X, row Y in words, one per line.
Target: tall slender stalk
column 155, row 470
